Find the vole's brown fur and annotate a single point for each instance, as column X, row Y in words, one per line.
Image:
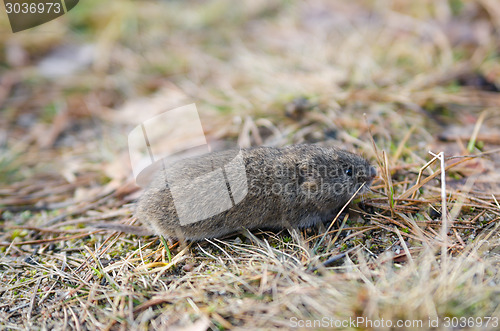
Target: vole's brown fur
column 296, row 186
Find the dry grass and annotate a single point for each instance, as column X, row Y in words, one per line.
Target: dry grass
column 390, row 80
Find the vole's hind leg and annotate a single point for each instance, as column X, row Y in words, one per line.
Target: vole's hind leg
column 181, row 237
column 169, row 241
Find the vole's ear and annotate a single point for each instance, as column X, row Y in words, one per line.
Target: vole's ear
column 307, row 176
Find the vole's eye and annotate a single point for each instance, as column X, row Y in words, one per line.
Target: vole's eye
column 348, row 172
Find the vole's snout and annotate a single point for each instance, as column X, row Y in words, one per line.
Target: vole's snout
column 368, row 175
column 372, row 172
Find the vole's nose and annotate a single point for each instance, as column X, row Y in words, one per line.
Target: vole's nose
column 372, row 172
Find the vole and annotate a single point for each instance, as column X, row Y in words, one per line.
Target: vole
column 263, row 187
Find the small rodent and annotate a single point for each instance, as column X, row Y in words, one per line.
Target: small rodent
column 292, row 187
